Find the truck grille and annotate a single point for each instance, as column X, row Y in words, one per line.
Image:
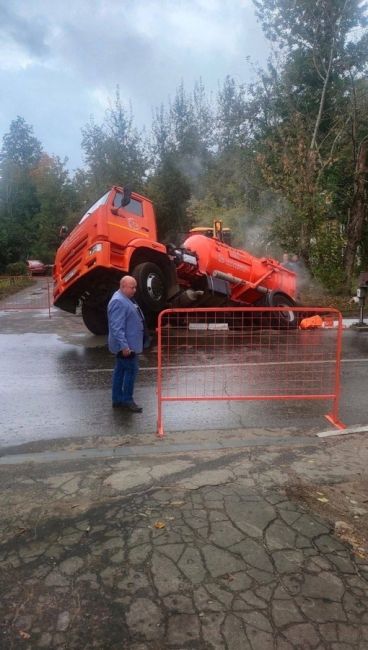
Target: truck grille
column 73, row 256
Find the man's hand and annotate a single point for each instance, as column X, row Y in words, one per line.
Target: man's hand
column 126, row 352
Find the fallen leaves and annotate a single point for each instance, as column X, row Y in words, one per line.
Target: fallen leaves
column 321, row 498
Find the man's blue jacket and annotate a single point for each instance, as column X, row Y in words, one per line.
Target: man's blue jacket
column 126, row 325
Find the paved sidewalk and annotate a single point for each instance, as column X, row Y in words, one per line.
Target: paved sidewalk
column 194, row 550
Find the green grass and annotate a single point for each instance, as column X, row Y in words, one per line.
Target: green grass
column 11, row 285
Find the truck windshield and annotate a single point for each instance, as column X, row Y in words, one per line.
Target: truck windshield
column 96, row 205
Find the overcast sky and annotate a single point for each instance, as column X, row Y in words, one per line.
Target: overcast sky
column 60, row 61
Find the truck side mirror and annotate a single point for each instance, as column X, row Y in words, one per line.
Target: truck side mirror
column 127, row 194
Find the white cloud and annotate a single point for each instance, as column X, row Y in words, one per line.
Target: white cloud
column 61, row 62
column 13, row 57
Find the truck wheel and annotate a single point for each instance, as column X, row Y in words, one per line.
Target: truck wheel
column 283, row 319
column 151, row 287
column 95, row 318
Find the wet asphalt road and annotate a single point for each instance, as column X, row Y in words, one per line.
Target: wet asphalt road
column 55, row 383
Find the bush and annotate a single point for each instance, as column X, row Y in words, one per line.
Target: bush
column 17, row 268
column 326, row 257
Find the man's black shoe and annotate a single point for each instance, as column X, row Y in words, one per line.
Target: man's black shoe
column 133, row 407
column 117, row 405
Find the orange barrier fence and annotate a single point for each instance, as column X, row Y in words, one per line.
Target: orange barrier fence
column 249, row 354
column 25, row 292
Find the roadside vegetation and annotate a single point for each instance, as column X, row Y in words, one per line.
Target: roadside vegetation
column 13, row 284
column 283, row 161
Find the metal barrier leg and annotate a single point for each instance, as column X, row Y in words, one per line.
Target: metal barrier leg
column 160, row 425
column 160, row 428
column 48, row 298
column 334, row 420
column 333, row 416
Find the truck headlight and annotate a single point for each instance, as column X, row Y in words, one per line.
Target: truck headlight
column 69, row 275
column 96, row 248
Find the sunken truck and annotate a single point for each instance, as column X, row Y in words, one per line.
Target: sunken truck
column 118, row 236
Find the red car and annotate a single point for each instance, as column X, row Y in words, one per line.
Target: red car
column 35, row 267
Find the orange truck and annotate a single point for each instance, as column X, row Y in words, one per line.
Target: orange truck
column 118, row 236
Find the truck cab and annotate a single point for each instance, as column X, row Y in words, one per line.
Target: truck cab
column 116, row 235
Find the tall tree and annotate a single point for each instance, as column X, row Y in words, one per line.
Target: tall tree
column 182, row 139
column 57, row 201
column 324, row 49
column 170, row 192
column 20, row 146
column 232, row 123
column 357, row 222
column 19, row 203
column 114, row 151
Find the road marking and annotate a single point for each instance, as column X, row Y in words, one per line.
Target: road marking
column 238, row 365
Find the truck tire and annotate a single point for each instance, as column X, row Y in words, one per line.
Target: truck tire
column 284, row 319
column 95, row 318
column 151, row 287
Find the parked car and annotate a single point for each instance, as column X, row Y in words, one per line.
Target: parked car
column 35, row 267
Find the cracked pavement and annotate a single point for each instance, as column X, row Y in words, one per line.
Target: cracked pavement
column 195, row 550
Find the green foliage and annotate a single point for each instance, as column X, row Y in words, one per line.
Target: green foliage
column 16, row 268
column 20, row 147
column 326, row 256
column 169, row 190
column 114, row 152
column 298, row 25
column 182, row 136
column 36, row 196
column 57, row 200
column 18, row 199
column 232, row 116
column 310, row 120
column 181, row 143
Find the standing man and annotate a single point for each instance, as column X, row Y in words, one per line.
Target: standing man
column 125, row 340
column 286, row 262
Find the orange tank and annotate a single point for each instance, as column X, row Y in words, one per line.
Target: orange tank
column 247, row 275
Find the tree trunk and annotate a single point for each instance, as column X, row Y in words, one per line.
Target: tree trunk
column 355, row 225
column 323, row 96
column 304, row 243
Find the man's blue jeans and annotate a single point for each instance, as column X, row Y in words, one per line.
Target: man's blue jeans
column 123, row 378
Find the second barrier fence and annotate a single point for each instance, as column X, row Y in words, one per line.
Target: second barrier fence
column 18, row 293
column 249, row 353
